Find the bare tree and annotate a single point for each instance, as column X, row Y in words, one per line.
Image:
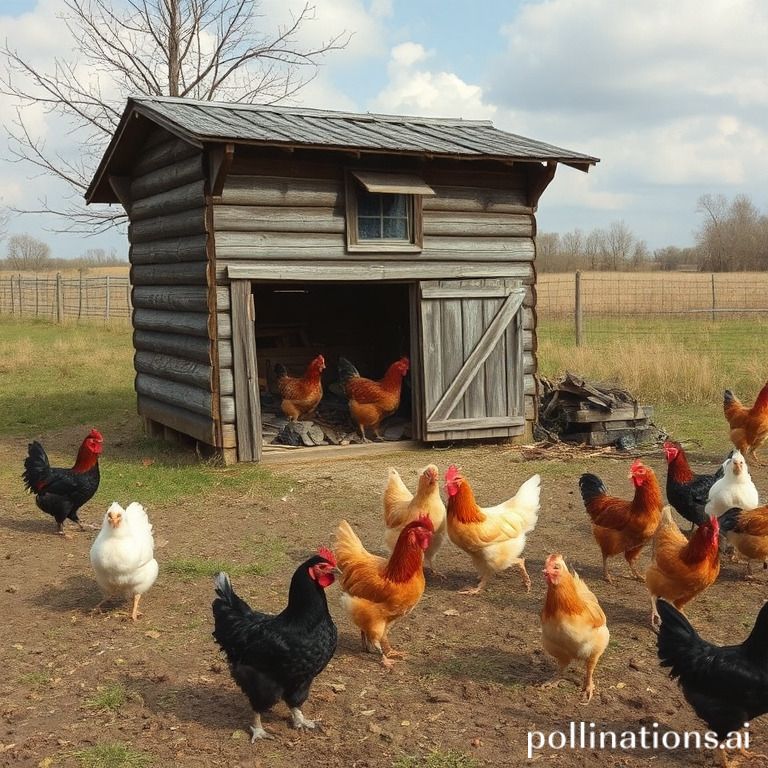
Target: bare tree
column 201, row 49
column 27, row 253
column 5, row 215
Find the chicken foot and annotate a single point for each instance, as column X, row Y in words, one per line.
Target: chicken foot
column 481, row 585
column 300, row 722
column 743, row 753
column 257, row 730
column 135, row 612
column 589, row 684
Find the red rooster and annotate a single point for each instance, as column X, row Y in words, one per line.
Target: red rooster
column 61, row 492
column 300, row 394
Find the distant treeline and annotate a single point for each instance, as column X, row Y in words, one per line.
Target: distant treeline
column 28, row 254
column 733, row 237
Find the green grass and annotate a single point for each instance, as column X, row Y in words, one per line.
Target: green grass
column 110, row 697
column 437, row 759
column 266, row 556
column 113, row 755
column 35, row 678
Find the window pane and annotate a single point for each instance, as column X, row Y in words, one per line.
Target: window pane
column 396, row 229
column 393, row 205
column 368, row 228
column 368, row 204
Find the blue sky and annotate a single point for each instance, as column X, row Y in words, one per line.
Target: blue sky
column 673, row 97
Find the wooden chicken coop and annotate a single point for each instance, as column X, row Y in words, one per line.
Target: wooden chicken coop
column 263, row 235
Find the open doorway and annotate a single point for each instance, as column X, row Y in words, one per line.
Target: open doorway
column 368, row 324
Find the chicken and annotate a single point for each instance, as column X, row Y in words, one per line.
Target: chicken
column 278, row 657
column 402, row 507
column 122, row 555
column 727, row 686
column 734, row 489
column 370, row 402
column 682, row 568
column 377, row 592
column 300, row 394
column 748, row 426
column 62, row 492
column 573, row 624
column 686, row 491
column 747, row 530
column 621, row 526
column 494, row 537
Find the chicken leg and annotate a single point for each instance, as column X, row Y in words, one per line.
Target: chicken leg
column 257, row 729
column 135, row 613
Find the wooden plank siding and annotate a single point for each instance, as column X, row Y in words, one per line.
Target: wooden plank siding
column 283, row 219
column 174, row 296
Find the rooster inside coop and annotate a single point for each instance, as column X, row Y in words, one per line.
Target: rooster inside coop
column 333, row 362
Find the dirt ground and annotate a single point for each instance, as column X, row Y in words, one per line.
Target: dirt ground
column 470, row 687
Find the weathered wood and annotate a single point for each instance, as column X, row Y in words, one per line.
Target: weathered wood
column 226, row 382
column 338, row 271
column 472, row 331
column 220, row 159
column 247, row 405
column 168, row 177
column 187, row 347
column 183, row 396
column 482, row 422
column 190, row 298
column 477, row 433
column 253, row 218
column 189, row 323
column 497, row 366
column 186, row 273
column 418, row 417
column 168, row 153
column 224, row 325
column 451, row 354
column 464, row 199
column 222, row 298
column 181, row 249
column 279, row 190
column 322, row 246
column 189, row 196
column 452, row 224
column 591, row 415
column 191, row 222
column 184, row 421
column 174, row 368
column 121, row 186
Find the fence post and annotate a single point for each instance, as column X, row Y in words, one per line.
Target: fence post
column 37, row 296
column 59, row 298
column 13, row 298
column 713, row 297
column 80, row 297
column 579, row 317
column 106, row 303
column 21, row 300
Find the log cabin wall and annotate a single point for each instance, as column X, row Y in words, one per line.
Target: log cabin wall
column 177, row 338
column 280, row 209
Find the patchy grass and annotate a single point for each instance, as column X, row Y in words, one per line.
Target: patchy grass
column 109, row 697
column 437, row 759
column 114, row 755
column 38, row 679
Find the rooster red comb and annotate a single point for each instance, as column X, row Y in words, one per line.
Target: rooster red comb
column 637, row 464
column 426, row 522
column 95, row 435
column 326, row 554
column 452, row 474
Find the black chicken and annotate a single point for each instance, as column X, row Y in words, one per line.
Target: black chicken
column 687, row 492
column 61, row 492
column 278, row 657
column 727, row 686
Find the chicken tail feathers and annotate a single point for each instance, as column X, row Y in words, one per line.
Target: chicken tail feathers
column 729, row 519
column 228, row 614
column 527, row 501
column 36, row 467
column 347, row 371
column 348, row 545
column 591, row 486
column 676, row 637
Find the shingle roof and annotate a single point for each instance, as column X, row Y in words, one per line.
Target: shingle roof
column 204, row 122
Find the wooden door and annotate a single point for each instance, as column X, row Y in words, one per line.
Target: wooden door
column 472, row 358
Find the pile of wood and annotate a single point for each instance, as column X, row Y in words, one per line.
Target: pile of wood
column 594, row 413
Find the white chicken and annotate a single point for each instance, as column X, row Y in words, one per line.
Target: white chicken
column 494, row 537
column 122, row 555
column 402, row 507
column 734, row 489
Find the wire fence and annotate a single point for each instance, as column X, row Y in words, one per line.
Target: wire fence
column 63, row 298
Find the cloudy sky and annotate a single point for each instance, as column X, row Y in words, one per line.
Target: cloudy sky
column 672, row 97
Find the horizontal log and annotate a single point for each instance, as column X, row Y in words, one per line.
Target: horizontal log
column 183, row 396
column 182, row 224
column 529, row 363
column 180, row 249
column 174, row 368
column 282, row 191
column 463, row 224
column 529, row 384
column 170, row 201
column 278, row 245
column 185, row 273
column 258, row 218
column 187, row 323
column 168, row 153
column 226, row 382
column 481, row 422
column 192, row 424
column 364, row 271
column 225, row 354
column 187, row 347
column 222, row 298
column 624, row 413
column 191, row 298
column 168, row 177
column 478, row 200
column 530, row 408
column 224, row 325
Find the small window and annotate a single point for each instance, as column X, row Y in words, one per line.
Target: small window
column 384, row 211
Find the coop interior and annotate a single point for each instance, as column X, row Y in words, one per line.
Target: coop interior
column 368, row 324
